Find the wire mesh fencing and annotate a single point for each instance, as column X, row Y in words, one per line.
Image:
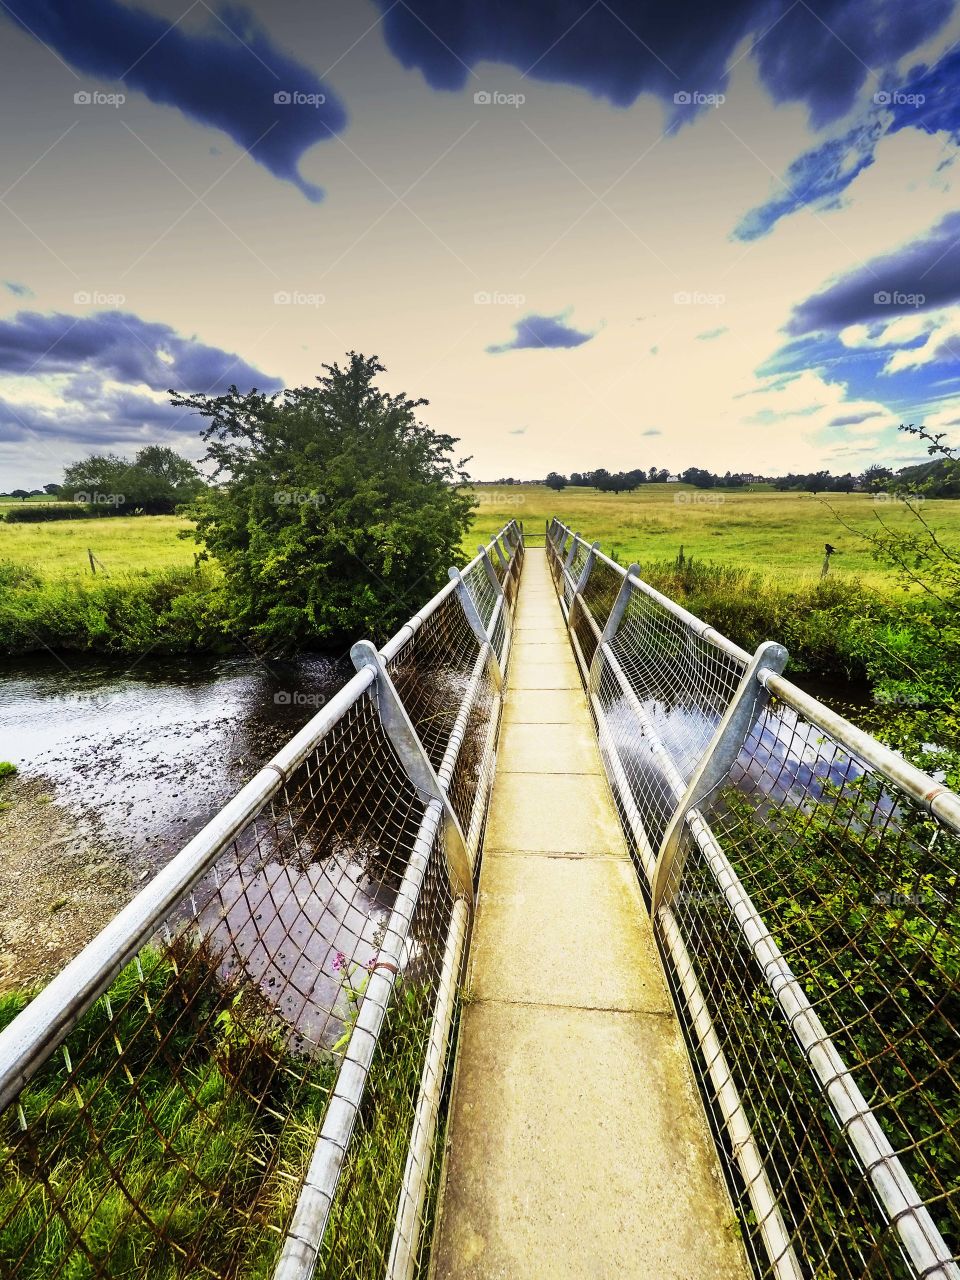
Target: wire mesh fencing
column 244, row 1073
column 803, row 886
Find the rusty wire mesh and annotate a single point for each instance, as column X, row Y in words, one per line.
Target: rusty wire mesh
column 810, row 930
column 164, row 1126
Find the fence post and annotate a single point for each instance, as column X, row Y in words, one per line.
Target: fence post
column 476, row 622
column 399, row 729
column 724, row 747
column 619, row 607
column 500, row 553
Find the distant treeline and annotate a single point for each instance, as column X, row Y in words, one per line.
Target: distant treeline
column 938, row 479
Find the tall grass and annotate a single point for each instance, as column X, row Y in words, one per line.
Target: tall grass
column 172, row 610
column 179, row 1144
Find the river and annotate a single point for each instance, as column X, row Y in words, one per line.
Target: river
column 153, row 748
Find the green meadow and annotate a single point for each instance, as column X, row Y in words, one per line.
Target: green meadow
column 779, row 534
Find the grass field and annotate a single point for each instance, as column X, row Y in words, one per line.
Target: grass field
column 782, row 534
column 123, row 544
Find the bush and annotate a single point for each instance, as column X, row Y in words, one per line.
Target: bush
column 40, row 514
column 173, row 611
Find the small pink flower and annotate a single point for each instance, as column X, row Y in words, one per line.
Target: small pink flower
column 339, row 962
column 372, row 963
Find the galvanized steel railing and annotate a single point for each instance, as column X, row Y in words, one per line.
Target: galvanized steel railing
column 803, row 886
column 242, row 1075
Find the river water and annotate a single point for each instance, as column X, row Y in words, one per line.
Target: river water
column 152, row 749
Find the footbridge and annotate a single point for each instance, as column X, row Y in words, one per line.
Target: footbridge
column 569, row 939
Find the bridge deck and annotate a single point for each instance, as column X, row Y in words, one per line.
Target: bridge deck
column 578, row 1145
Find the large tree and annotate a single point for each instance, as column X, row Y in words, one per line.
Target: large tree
column 336, row 513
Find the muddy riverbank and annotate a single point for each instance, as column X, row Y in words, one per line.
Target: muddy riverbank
column 61, row 881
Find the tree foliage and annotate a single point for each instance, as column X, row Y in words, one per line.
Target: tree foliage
column 157, row 481
column 336, row 511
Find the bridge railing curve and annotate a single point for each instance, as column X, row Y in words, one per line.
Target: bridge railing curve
column 242, row 1074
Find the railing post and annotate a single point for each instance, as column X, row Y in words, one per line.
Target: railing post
column 619, row 607
column 504, row 561
column 571, row 553
column 476, row 622
column 725, row 745
column 490, row 571
column 587, row 569
column 399, row 729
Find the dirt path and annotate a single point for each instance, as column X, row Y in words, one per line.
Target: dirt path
column 60, row 882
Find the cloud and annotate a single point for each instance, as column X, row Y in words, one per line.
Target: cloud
column 123, row 347
column 854, row 419
column 518, row 431
column 652, row 432
column 920, row 275
column 226, row 75
column 622, row 48
column 18, row 290
column 112, row 416
column 537, row 332
column 926, row 100
column 709, row 334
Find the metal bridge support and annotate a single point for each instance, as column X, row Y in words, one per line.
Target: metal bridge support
column 619, row 608
column 571, row 553
column 728, row 739
column 476, row 622
column 399, row 729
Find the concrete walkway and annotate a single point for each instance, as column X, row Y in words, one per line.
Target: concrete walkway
column 578, row 1146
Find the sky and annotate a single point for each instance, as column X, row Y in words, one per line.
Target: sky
column 590, row 232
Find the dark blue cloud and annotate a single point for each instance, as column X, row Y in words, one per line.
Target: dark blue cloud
column 921, row 275
column 854, row 419
column 99, row 417
column 18, row 290
column 120, row 346
column 816, row 52
column 925, row 99
column 535, row 331
column 226, row 76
